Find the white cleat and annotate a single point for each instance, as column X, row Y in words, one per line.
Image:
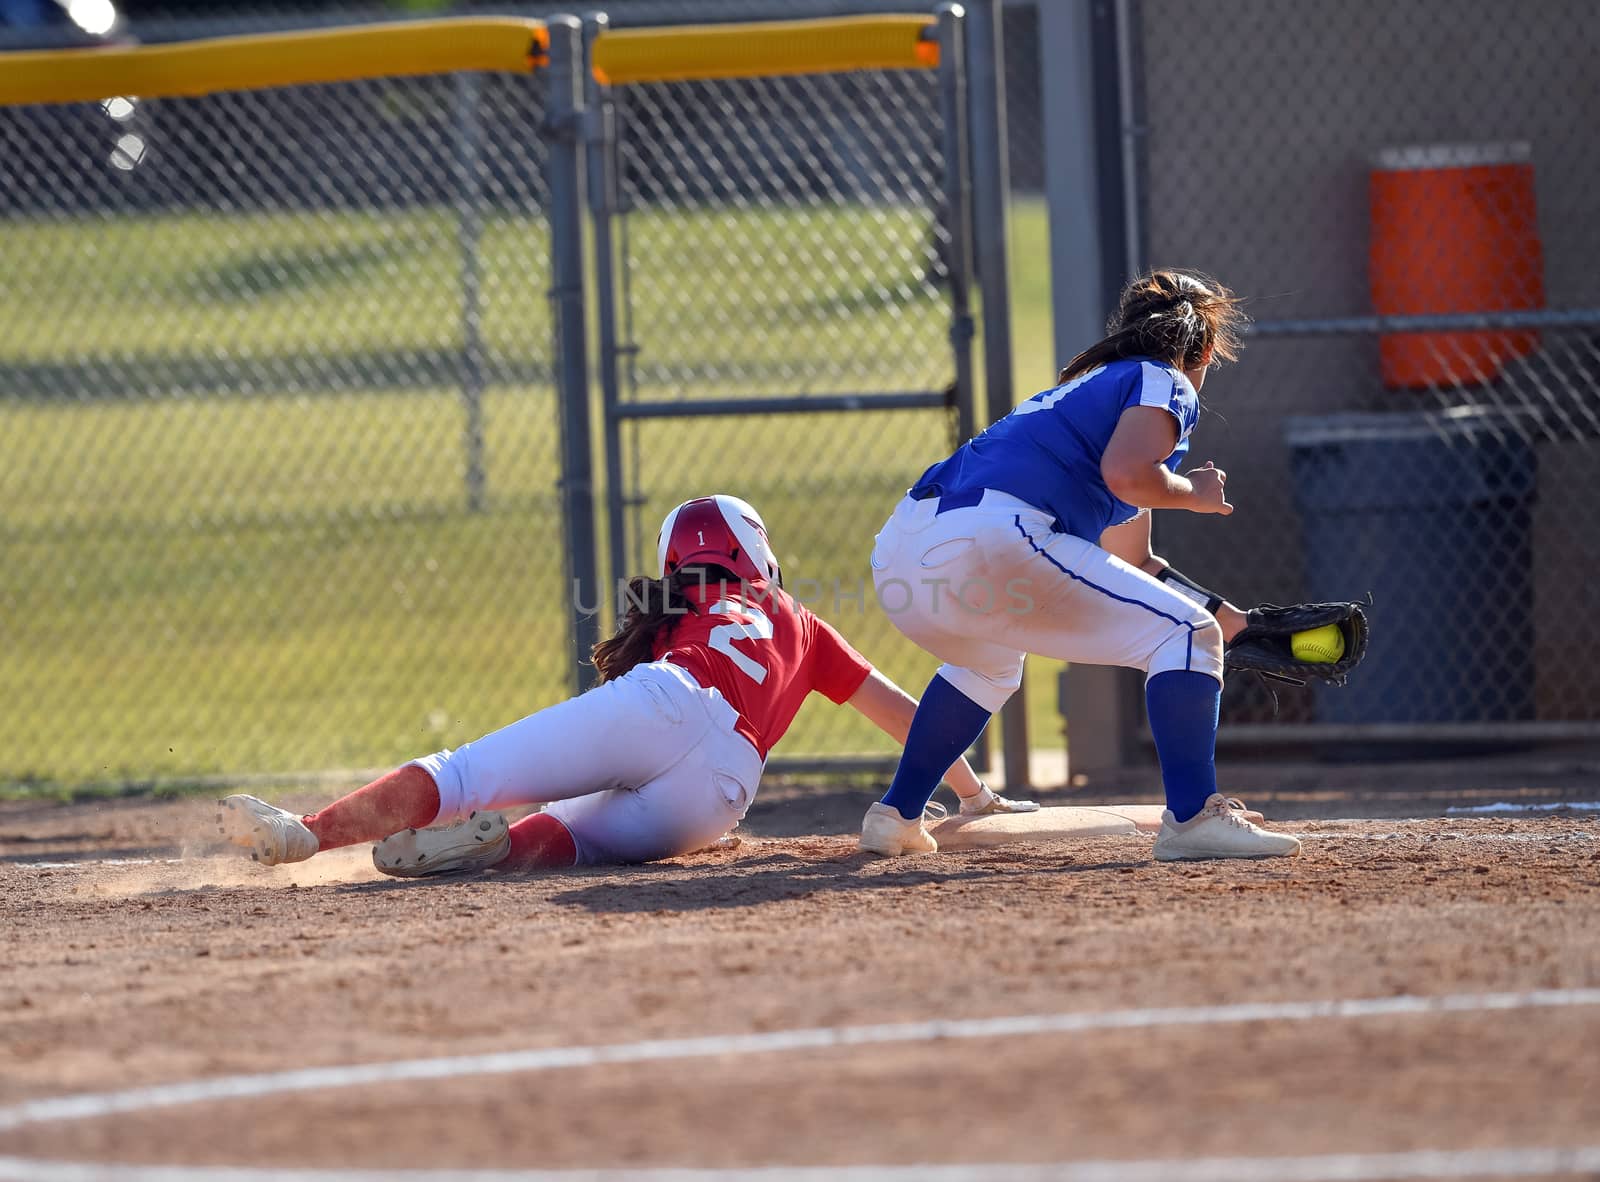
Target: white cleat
column 1219, row 830
column 477, row 843
column 884, row 831
column 989, row 803
column 272, row 835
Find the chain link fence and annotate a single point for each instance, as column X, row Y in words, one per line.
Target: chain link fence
column 780, row 245
column 277, row 429
column 280, row 449
column 1369, row 169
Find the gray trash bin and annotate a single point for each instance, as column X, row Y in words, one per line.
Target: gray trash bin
column 1431, row 514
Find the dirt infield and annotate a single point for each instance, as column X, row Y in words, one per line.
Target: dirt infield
column 123, row 968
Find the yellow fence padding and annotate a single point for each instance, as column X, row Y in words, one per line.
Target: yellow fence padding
column 685, row 53
column 272, row 59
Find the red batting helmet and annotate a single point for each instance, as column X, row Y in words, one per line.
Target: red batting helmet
column 719, row 530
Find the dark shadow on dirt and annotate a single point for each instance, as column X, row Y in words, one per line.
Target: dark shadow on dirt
column 787, row 810
column 775, row 877
column 379, row 886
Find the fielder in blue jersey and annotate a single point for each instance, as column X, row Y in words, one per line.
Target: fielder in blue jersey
column 1034, row 537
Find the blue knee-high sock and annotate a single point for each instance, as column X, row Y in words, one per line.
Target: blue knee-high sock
column 1184, row 707
column 947, row 723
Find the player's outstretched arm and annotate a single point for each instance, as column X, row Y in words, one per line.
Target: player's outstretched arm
column 890, row 709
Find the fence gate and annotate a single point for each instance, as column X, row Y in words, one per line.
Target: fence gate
column 782, row 261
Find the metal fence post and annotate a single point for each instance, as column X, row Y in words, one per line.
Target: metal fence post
column 956, row 216
column 1071, row 176
column 469, row 234
column 1111, row 145
column 1083, row 188
column 564, row 128
column 990, row 193
column 957, row 211
column 601, row 145
column 1124, row 31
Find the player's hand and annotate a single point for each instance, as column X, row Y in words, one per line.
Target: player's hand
column 1210, row 494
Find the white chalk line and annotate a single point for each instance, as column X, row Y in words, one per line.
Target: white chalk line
column 1342, row 1167
column 1464, row 1164
column 83, row 862
column 1457, row 835
column 1507, row 807
column 234, row 1087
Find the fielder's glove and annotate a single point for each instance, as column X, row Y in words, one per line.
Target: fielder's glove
column 1263, row 646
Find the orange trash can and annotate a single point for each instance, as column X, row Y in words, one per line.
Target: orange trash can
column 1455, row 229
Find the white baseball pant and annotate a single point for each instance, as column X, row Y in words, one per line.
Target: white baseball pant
column 643, row 767
column 983, row 585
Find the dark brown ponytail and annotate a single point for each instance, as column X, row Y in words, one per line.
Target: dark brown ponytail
column 1177, row 316
column 649, row 608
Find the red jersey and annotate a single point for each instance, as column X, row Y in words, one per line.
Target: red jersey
column 764, row 653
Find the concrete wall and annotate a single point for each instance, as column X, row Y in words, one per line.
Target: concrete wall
column 1262, row 119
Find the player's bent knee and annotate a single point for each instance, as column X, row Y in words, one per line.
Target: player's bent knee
column 1195, row 646
column 990, row 689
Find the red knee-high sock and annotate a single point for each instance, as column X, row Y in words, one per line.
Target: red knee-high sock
column 406, row 798
column 540, row 842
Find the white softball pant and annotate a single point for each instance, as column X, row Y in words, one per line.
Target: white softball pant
column 643, row 767
column 981, row 586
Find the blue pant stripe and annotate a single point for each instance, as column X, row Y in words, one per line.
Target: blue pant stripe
column 1044, row 554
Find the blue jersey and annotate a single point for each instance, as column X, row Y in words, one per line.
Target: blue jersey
column 1047, row 451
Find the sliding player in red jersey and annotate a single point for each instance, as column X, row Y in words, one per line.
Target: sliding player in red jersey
column 708, row 668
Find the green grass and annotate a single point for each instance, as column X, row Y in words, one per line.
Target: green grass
column 227, row 584
column 257, row 284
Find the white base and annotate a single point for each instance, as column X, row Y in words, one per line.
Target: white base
column 1059, row 823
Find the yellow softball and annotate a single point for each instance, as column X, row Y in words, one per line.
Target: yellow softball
column 1322, row 646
